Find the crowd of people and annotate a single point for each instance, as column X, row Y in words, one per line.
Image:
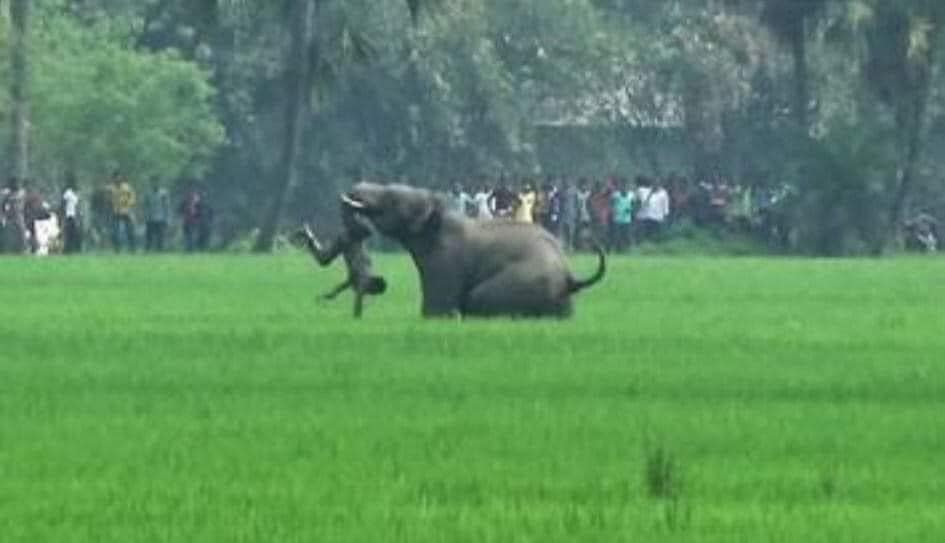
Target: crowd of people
column 113, row 218
column 617, row 212
column 620, row 214
column 614, row 212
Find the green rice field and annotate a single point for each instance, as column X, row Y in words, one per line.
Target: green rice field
column 689, row 399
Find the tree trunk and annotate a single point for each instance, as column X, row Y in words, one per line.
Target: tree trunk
column 298, row 78
column 20, row 87
column 912, row 125
column 801, row 75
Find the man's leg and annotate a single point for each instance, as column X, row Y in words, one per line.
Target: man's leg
column 323, row 254
column 148, row 236
column 645, row 234
column 333, row 293
column 611, row 236
column 161, row 232
column 358, row 303
column 189, row 240
column 79, row 235
column 130, row 233
column 116, row 233
column 67, row 236
column 71, row 244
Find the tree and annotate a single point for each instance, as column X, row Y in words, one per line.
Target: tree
column 97, row 104
column 298, row 81
column 20, row 86
column 902, row 41
column 789, row 21
column 301, row 57
column 895, row 45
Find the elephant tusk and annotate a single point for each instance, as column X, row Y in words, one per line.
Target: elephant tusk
column 351, row 202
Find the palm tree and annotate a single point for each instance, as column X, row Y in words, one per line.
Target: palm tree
column 788, row 21
column 20, row 86
column 298, row 80
column 902, row 40
column 299, row 76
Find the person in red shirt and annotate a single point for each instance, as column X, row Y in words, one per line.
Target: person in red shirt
column 190, row 211
column 600, row 203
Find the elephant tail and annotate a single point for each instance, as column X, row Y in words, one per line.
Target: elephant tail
column 576, row 285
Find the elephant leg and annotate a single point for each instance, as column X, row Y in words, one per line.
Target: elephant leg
column 440, row 309
column 441, row 300
column 441, row 285
column 518, row 292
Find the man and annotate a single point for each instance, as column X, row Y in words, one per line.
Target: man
column 481, row 202
column 569, row 214
column 553, row 205
column 14, row 217
column 46, row 232
column 190, row 217
column 458, row 201
column 524, row 211
column 71, row 229
column 542, row 203
column 622, row 205
column 599, row 204
column 584, row 217
column 205, row 226
column 547, row 210
column 503, row 200
column 102, row 216
column 157, row 215
column 680, row 194
column 123, row 204
column 922, row 233
column 350, row 245
column 654, row 208
column 33, row 210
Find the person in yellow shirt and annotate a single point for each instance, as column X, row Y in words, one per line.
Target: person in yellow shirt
column 123, row 204
column 526, row 203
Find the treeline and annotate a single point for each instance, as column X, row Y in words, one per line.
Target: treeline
column 271, row 107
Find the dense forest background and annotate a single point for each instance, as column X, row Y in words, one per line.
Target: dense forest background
column 272, row 106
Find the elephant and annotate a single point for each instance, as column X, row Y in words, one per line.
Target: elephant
column 472, row 268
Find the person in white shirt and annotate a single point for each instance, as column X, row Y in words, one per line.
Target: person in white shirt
column 654, row 208
column 46, row 234
column 481, row 202
column 459, row 201
column 72, row 233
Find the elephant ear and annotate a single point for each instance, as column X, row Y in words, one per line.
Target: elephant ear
column 422, row 211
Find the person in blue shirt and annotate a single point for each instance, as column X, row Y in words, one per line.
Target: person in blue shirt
column 157, row 215
column 622, row 202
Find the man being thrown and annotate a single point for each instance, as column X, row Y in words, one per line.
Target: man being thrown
column 350, row 245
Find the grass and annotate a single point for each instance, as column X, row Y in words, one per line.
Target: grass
column 212, row 399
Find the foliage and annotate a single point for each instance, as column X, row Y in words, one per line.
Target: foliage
column 98, row 105
column 757, row 92
column 843, row 193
